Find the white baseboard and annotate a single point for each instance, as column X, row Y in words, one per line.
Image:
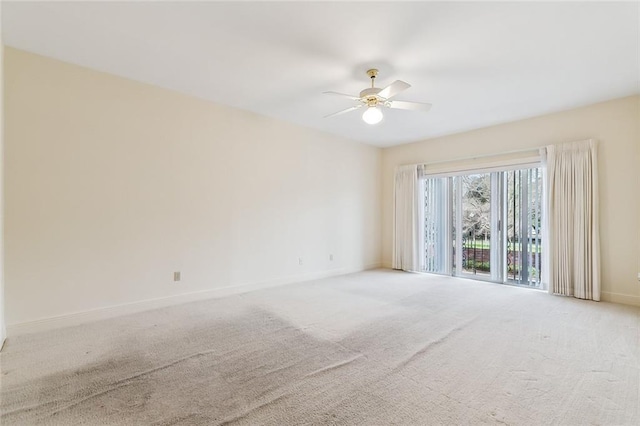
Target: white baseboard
column 625, row 299
column 76, row 318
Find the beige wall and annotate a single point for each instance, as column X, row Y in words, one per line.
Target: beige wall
column 3, row 329
column 112, row 185
column 615, row 124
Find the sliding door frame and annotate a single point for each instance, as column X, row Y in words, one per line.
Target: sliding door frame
column 498, row 243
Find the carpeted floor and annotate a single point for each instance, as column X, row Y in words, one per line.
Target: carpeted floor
column 373, row 348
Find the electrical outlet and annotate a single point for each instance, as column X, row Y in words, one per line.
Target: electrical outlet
column 300, row 261
column 638, row 276
column 331, row 257
column 176, row 276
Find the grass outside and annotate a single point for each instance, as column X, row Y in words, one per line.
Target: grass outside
column 486, row 245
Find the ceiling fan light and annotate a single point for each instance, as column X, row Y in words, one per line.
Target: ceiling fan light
column 372, row 115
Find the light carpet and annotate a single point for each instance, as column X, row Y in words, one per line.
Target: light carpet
column 373, row 348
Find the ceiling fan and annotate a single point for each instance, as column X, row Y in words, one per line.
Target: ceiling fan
column 375, row 99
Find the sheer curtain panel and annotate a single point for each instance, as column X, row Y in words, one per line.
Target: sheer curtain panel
column 574, row 245
column 406, row 216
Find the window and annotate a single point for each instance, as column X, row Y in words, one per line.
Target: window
column 485, row 225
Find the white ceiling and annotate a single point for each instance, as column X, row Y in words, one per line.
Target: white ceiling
column 478, row 63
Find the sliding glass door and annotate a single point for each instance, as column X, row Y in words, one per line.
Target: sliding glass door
column 523, row 220
column 485, row 225
column 473, row 228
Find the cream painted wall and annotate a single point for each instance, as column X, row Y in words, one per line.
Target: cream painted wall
column 112, row 185
column 615, row 124
column 3, row 328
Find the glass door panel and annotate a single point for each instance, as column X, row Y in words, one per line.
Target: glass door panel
column 474, row 230
column 523, row 225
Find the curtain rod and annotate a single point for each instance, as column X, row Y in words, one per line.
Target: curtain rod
column 536, row 149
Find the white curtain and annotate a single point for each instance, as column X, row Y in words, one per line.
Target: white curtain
column 573, row 244
column 406, row 219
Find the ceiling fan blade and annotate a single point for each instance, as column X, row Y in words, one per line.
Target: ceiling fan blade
column 414, row 106
column 355, row 98
column 393, row 89
column 343, row 111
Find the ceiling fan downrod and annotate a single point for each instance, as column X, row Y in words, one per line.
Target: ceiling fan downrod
column 372, row 73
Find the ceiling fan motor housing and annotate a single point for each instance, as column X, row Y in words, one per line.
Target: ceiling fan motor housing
column 370, row 96
column 371, row 91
